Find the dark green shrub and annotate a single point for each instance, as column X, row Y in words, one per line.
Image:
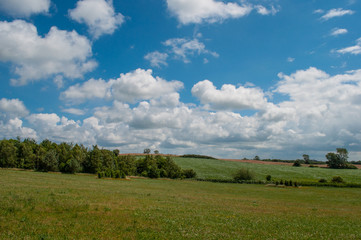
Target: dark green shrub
column 100, row 174
column 350, row 166
column 243, row 174
column 337, row 179
column 286, row 183
column 290, row 183
column 297, row 163
column 322, row 180
column 281, row 182
column 189, row 173
column 268, row 178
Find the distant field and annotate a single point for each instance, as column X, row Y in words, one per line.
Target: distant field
column 37, row 205
column 219, row 169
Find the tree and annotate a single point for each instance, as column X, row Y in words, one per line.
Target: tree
column 306, row 158
column 7, row 154
column 146, row 151
column 49, row 162
column 256, row 158
column 337, row 160
column 156, row 152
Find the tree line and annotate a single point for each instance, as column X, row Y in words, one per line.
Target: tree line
column 73, row 158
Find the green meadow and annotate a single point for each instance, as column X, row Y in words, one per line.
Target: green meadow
column 35, row 205
column 219, row 169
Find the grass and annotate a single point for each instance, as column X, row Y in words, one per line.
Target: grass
column 218, row 169
column 37, row 205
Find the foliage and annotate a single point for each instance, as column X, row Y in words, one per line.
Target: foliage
column 243, row 174
column 306, row 158
column 256, row 158
column 337, row 179
column 339, row 159
column 322, row 180
column 70, row 158
column 146, row 151
column 197, row 156
column 297, row 163
column 49, row 162
column 189, row 173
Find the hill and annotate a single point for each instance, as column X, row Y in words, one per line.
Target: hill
column 220, row 169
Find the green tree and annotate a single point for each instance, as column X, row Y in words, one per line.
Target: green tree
column 26, row 155
column 306, row 158
column 49, row 162
column 337, row 160
column 8, row 154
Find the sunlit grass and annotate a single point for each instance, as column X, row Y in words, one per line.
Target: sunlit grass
column 58, row 206
column 218, row 169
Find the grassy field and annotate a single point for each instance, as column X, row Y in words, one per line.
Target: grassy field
column 218, row 169
column 37, row 205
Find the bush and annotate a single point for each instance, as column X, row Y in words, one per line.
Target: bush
column 350, row 166
column 268, row 178
column 337, row 179
column 189, row 173
column 297, row 163
column 322, row 180
column 243, row 174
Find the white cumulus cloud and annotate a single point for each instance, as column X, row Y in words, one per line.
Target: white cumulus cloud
column 12, row 108
column 229, row 97
column 98, row 15
column 24, row 8
column 130, row 87
column 189, row 11
column 35, row 57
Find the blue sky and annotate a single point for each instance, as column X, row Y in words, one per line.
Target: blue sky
column 272, row 78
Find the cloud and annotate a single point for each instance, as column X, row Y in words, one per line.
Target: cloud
column 11, row 125
column 14, row 128
column 229, row 97
column 129, row 87
column 211, row 11
column 290, row 59
column 181, row 48
column 60, row 129
column 355, row 50
column 141, row 85
column 98, row 15
column 90, row 89
column 320, row 112
column 336, row 12
column 35, row 57
column 12, row 108
column 264, row 11
column 74, row 111
column 24, row 8
column 338, row 31
column 157, row 59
